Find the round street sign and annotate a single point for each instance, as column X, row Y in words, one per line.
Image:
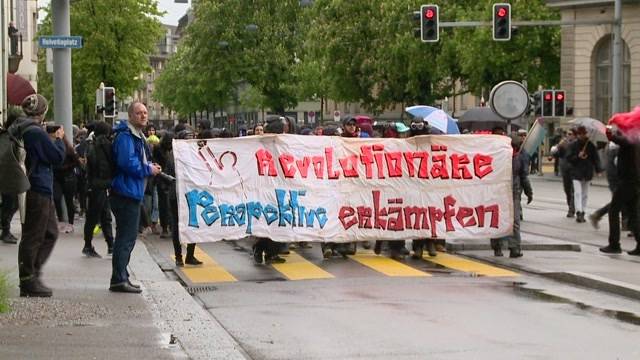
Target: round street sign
column 312, row 115
column 509, row 99
column 336, row 115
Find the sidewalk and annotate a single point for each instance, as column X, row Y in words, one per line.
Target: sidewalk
column 83, row 320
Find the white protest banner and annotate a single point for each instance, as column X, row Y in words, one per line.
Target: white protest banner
column 324, row 188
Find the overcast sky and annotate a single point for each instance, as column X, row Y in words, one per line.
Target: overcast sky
column 173, row 11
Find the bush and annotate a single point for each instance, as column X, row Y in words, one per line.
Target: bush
column 4, row 292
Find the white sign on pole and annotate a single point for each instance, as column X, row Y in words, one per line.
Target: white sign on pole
column 312, row 116
column 49, row 60
column 336, row 115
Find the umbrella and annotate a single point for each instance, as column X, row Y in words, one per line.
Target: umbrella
column 435, row 117
column 483, row 118
column 18, row 88
column 628, row 124
column 596, row 130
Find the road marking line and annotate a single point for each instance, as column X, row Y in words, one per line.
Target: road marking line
column 299, row 268
column 209, row 272
column 466, row 265
column 386, row 265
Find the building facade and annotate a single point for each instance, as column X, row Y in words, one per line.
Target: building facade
column 586, row 55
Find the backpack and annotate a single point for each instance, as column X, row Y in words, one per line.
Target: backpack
column 15, row 178
column 100, row 163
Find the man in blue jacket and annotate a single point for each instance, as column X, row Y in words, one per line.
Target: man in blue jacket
column 40, row 227
column 132, row 168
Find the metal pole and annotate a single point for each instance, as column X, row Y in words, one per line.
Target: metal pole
column 62, row 69
column 616, row 66
column 3, row 64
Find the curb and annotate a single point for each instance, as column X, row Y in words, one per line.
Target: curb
column 530, row 247
column 574, row 278
column 179, row 316
column 597, row 283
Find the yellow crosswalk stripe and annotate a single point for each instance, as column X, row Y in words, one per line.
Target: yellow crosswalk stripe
column 208, row 272
column 299, row 268
column 466, row 265
column 386, row 265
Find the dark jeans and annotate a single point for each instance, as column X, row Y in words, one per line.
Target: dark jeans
column 39, row 235
column 98, row 210
column 127, row 214
column 163, row 208
column 567, row 184
column 513, row 240
column 177, row 248
column 68, row 188
column 9, row 208
column 625, row 197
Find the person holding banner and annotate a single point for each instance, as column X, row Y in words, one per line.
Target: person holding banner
column 265, row 247
column 182, row 132
column 132, row 168
column 520, row 181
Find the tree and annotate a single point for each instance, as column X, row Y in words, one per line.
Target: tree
column 116, row 47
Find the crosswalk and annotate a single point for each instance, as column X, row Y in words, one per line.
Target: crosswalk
column 222, row 264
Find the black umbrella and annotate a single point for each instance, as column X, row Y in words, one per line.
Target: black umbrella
column 483, row 118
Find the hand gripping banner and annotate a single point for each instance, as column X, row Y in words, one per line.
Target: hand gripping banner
column 324, row 188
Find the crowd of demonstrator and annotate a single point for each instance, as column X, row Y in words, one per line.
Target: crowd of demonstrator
column 127, row 173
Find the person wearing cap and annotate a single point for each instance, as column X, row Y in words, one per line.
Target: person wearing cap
column 133, row 167
column 40, row 228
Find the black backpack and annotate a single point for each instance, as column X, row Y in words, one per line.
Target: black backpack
column 15, row 178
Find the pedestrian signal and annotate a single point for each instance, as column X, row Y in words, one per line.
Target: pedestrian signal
column 109, row 101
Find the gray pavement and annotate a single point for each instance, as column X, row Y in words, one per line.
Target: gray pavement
column 83, row 320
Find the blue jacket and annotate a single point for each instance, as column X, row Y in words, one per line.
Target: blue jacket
column 42, row 154
column 128, row 153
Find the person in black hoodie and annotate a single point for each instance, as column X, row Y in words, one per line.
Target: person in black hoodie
column 170, row 169
column 584, row 159
column 625, row 196
column 99, row 176
column 40, row 228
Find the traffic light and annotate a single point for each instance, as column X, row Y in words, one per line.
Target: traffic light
column 501, row 22
column 536, row 103
column 547, row 103
column 109, row 102
column 559, row 109
column 429, row 26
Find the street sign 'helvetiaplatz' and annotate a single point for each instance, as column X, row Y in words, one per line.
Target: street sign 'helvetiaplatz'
column 60, row 42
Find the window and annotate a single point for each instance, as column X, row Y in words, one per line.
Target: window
column 603, row 54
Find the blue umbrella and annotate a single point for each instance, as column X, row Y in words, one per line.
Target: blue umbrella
column 431, row 113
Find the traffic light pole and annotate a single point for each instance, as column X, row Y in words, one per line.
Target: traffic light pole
column 616, row 80
column 62, row 69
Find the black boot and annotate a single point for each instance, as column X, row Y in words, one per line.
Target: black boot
column 635, row 252
column 571, row 213
column 515, row 253
column 580, row 217
column 34, row 288
column 611, row 249
column 179, row 261
column 191, row 260
column 8, row 238
column 431, row 248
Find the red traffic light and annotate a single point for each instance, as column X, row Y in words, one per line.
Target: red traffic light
column 559, row 96
column 502, row 12
column 429, row 14
column 548, row 96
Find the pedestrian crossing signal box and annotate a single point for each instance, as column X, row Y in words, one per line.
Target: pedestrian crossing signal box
column 109, row 102
column 547, row 103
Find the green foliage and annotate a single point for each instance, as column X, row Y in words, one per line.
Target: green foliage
column 116, row 48
column 361, row 51
column 4, row 293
